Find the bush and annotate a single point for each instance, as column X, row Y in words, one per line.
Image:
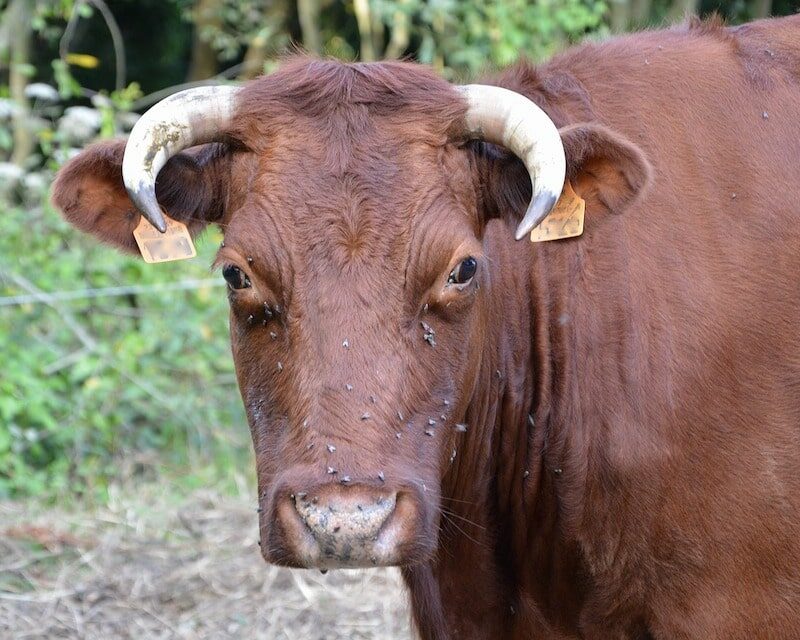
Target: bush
column 92, row 383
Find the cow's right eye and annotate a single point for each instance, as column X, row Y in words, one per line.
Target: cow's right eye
column 464, row 272
column 235, row 277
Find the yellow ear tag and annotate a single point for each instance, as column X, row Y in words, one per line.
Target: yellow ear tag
column 564, row 221
column 175, row 244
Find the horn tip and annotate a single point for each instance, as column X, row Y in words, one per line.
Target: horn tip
column 155, row 217
column 144, row 198
column 159, row 223
column 537, row 211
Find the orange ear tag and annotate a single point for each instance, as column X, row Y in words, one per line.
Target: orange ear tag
column 175, row 244
column 564, row 221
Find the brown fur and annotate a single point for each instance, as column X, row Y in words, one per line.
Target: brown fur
column 632, row 395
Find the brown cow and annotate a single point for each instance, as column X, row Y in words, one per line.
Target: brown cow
column 590, row 438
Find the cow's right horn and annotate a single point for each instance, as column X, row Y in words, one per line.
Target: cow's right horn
column 182, row 120
column 509, row 119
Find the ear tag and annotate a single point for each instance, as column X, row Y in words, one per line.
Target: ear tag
column 564, row 221
column 175, row 244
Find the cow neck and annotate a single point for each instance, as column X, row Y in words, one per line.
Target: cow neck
column 545, row 545
column 503, row 495
column 471, row 576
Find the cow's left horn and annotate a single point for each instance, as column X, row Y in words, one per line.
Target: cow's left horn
column 182, row 120
column 509, row 119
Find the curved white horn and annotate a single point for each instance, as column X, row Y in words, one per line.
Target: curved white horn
column 182, row 120
column 509, row 119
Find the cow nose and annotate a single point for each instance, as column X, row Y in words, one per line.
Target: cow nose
column 354, row 526
column 344, row 519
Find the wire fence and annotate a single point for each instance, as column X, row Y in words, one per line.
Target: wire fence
column 108, row 292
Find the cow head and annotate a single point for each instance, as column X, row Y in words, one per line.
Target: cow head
column 353, row 213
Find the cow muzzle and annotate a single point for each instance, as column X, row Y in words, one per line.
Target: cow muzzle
column 335, row 526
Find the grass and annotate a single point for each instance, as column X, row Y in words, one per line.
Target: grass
column 159, row 564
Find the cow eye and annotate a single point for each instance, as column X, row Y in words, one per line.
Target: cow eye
column 463, row 272
column 235, row 277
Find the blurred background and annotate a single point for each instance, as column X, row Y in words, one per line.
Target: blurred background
column 126, row 482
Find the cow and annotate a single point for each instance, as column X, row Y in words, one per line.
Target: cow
column 593, row 437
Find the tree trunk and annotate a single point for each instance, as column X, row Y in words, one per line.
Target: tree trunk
column 308, row 15
column 364, row 19
column 618, row 15
column 20, row 13
column 204, row 59
column 272, row 36
column 683, row 9
column 400, row 34
column 640, row 12
column 254, row 59
column 761, row 9
column 6, row 28
column 378, row 35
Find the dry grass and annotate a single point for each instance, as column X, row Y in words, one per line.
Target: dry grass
column 145, row 567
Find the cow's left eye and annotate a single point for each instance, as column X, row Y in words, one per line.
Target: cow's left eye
column 464, row 272
column 235, row 277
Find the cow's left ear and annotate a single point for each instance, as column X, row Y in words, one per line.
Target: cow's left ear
column 192, row 187
column 608, row 171
column 604, row 168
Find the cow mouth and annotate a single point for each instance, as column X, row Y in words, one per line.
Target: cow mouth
column 345, row 528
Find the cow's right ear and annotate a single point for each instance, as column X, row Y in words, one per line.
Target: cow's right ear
column 192, row 187
column 607, row 170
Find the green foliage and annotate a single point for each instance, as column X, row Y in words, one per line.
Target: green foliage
column 468, row 37
column 68, row 87
column 110, row 106
column 239, row 21
column 157, row 374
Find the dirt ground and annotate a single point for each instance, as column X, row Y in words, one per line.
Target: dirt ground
column 148, row 567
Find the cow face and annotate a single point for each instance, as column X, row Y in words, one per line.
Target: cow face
column 353, row 212
column 354, row 298
column 354, row 265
